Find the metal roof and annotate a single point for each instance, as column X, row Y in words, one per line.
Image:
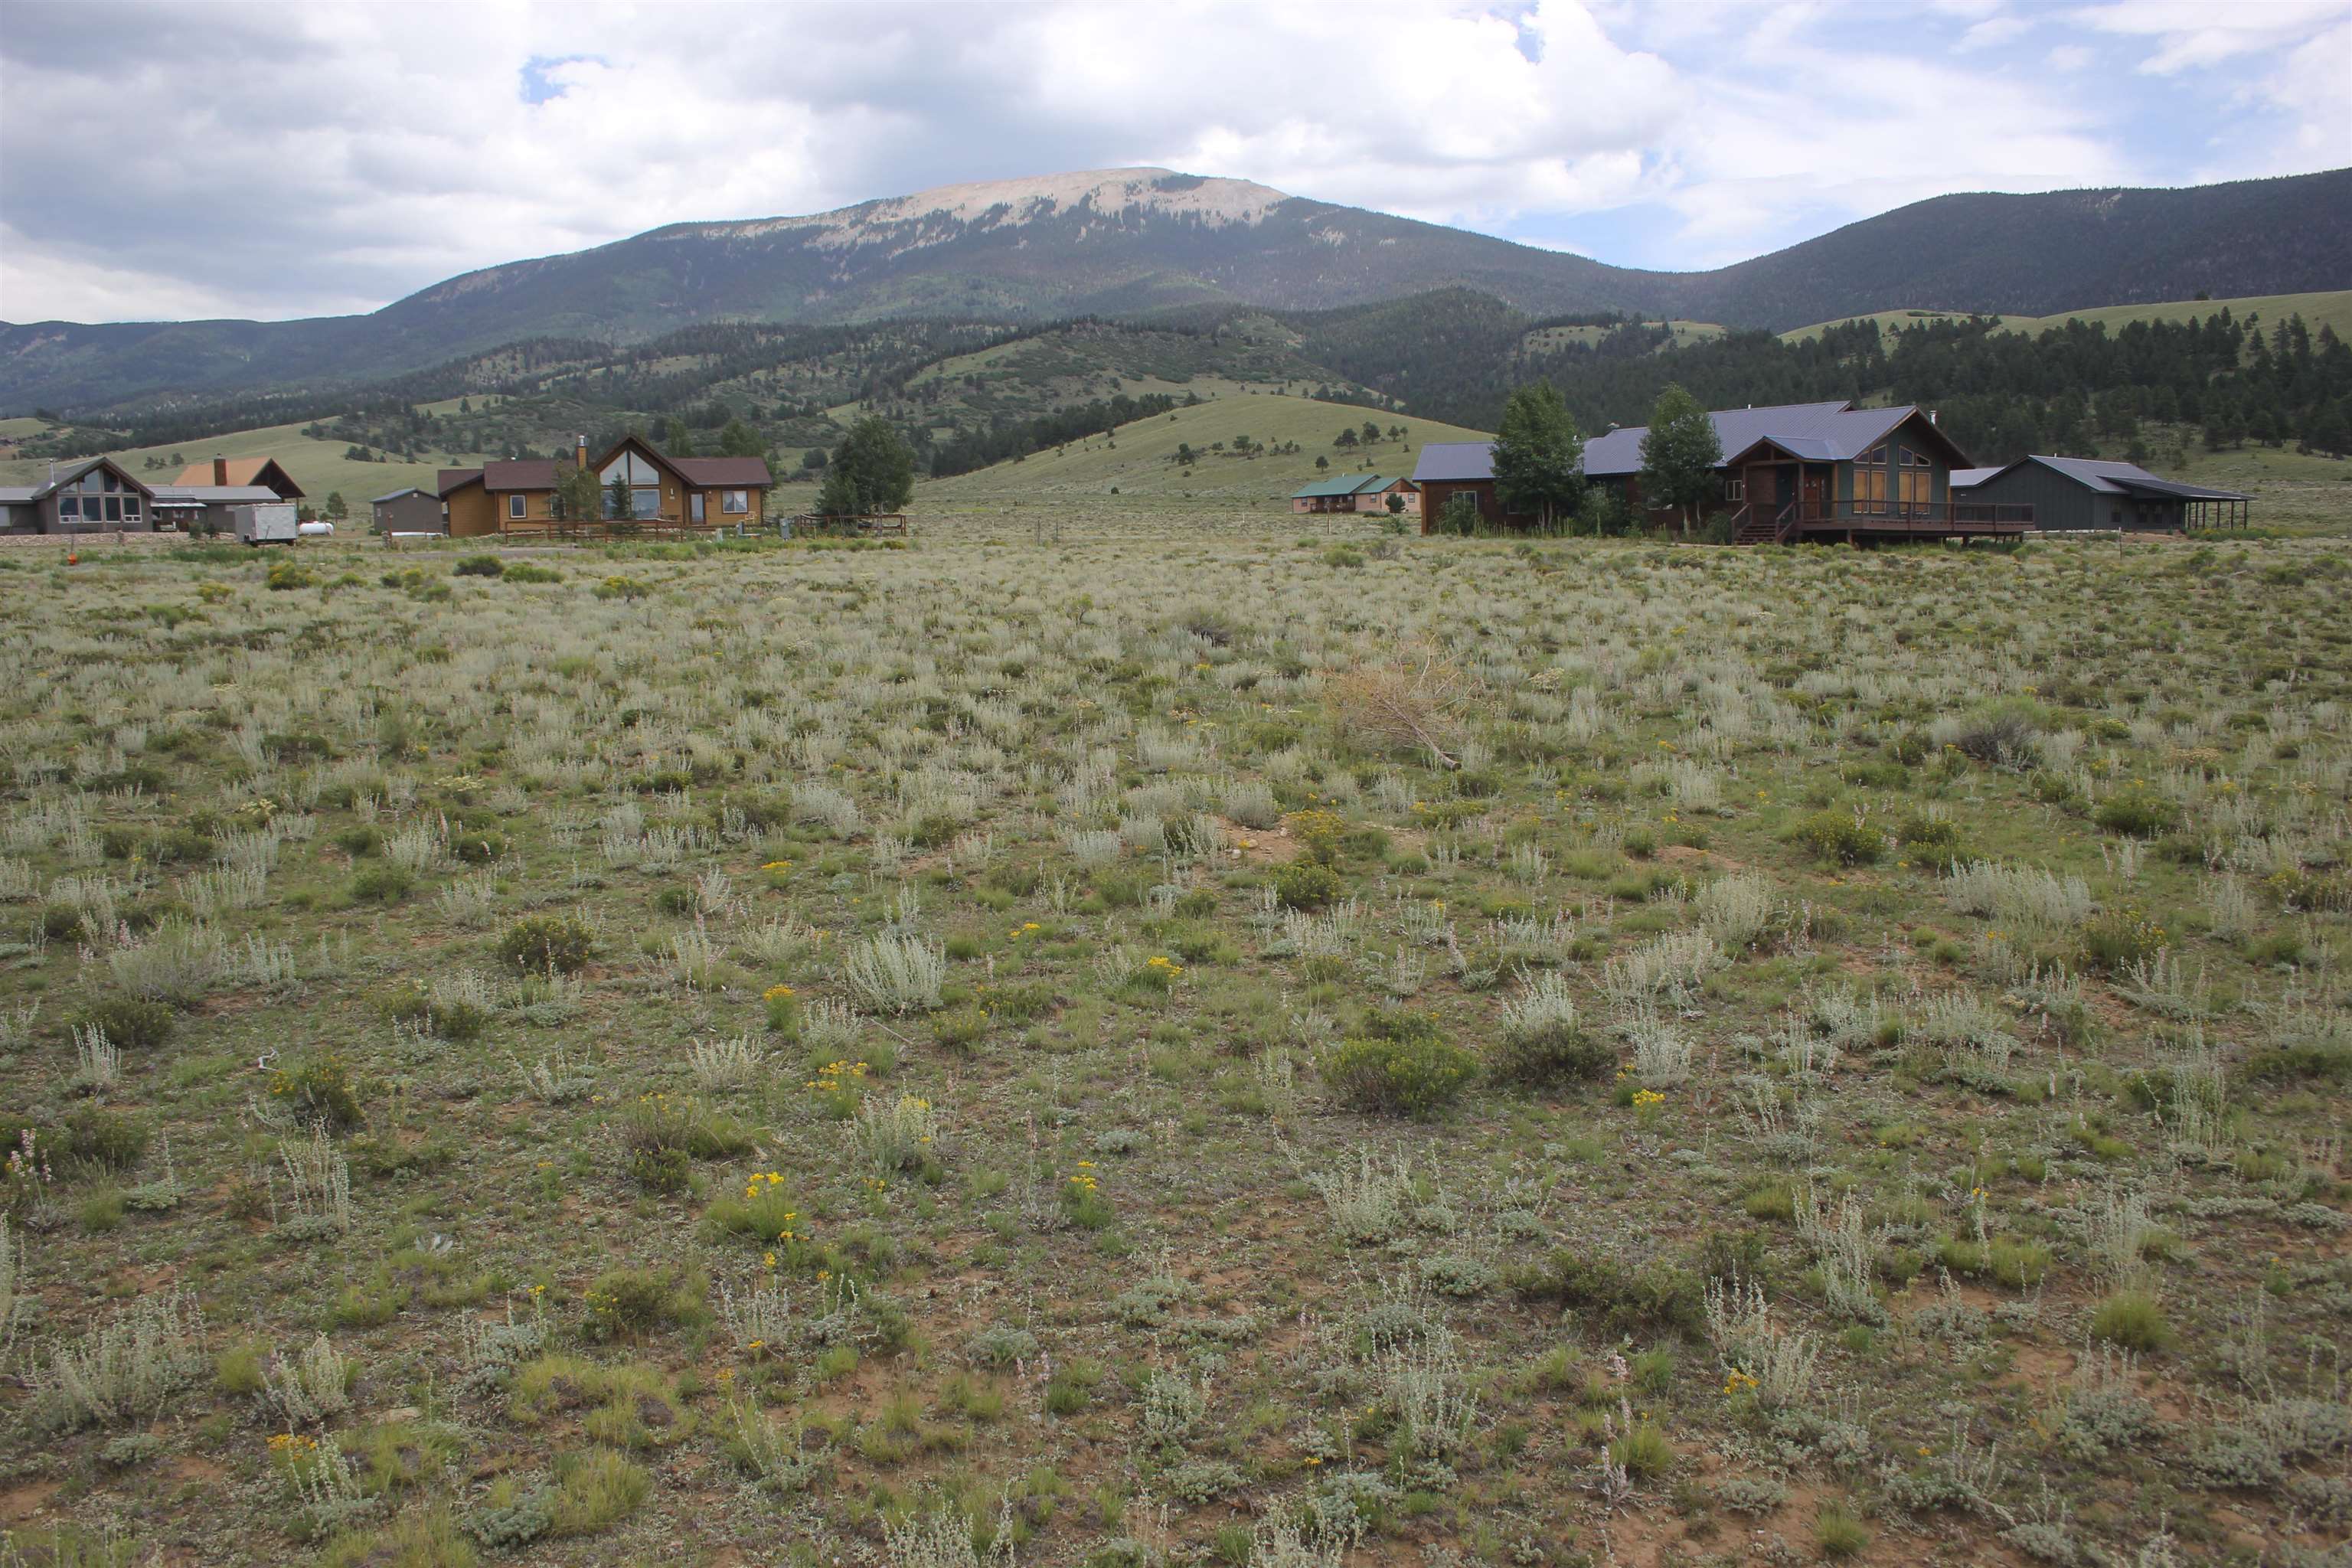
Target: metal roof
column 1964, row 478
column 1456, row 460
column 1831, row 432
column 1340, row 485
column 411, row 490
column 2102, row 476
column 213, row 495
column 72, row 471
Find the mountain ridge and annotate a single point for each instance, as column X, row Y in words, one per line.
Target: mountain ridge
column 1143, row 242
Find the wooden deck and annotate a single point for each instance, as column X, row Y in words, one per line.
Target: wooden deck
column 1858, row 524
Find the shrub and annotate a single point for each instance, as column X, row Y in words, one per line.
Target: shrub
column 105, row 1137
column 1417, row 1077
column 382, row 885
column 318, row 1089
column 1306, row 885
column 1841, row 837
column 617, row 587
column 479, row 566
column 2131, row 1319
column 2114, row 940
column 524, row 571
column 1838, row 1532
column 894, row 972
column 1542, row 1042
column 286, row 576
column 2136, row 811
column 628, row 1301
column 135, row 1022
column 543, row 942
column 1612, row 1300
column 1642, row 1452
column 659, row 1133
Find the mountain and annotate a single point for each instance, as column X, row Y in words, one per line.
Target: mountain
column 1148, row 243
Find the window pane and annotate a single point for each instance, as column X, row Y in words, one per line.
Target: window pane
column 644, row 503
column 114, row 509
column 69, row 509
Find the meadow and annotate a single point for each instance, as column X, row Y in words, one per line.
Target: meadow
column 1229, row 1040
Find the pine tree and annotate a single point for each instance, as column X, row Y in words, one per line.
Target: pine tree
column 1539, row 456
column 1679, row 453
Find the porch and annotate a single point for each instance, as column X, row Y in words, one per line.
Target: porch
column 1812, row 517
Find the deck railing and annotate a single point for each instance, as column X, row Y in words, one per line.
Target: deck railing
column 1909, row 517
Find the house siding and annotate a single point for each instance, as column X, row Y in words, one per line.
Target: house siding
column 470, row 513
column 409, row 514
column 2063, row 504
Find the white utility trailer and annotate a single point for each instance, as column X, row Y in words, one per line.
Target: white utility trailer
column 268, row 522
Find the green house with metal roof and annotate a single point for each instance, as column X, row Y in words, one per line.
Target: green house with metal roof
column 2071, row 493
column 1356, row 492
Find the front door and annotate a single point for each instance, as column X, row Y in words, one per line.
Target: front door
column 1816, row 493
column 693, row 505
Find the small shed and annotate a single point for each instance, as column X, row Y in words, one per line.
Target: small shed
column 410, row 510
column 2074, row 494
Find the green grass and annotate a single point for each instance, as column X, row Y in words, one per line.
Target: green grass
column 626, row 1273
column 1139, row 462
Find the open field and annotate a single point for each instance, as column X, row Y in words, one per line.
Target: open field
column 1273, row 1049
column 1141, row 462
column 2331, row 307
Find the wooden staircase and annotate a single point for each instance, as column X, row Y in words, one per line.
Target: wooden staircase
column 1756, row 528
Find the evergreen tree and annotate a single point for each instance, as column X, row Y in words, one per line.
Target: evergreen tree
column 576, row 494
column 1679, row 453
column 738, row 440
column 677, row 441
column 1539, row 456
column 616, row 499
column 873, row 469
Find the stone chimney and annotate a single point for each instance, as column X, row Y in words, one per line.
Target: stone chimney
column 220, row 469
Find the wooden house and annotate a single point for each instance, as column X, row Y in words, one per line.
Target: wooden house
column 95, row 495
column 1447, row 469
column 498, row 497
column 1822, row 471
column 688, row 492
column 225, row 472
column 2081, row 494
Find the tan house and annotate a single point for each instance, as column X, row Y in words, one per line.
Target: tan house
column 498, row 497
column 665, row 492
column 1356, row 492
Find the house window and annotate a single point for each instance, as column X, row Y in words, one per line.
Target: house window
column 1918, row 480
column 1869, row 489
column 515, row 504
column 735, row 503
column 1735, row 489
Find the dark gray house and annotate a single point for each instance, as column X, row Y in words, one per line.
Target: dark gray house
column 412, row 510
column 2069, row 494
column 97, row 495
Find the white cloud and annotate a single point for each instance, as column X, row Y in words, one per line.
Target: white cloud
column 303, row 159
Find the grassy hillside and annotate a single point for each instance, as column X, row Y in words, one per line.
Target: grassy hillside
column 1543, row 340
column 1142, row 460
column 319, row 467
column 2331, row 307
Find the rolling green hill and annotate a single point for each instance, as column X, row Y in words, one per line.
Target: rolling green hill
column 1142, row 460
column 2322, row 308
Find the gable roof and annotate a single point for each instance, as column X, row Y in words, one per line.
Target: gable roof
column 2102, row 476
column 409, row 490
column 1343, row 485
column 73, row 472
column 1459, row 460
column 448, row 480
column 246, row 471
column 1811, row 432
column 729, row 473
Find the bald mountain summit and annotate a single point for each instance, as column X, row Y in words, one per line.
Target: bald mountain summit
column 1144, row 244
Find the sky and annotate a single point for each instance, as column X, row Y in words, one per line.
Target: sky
column 195, row 160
